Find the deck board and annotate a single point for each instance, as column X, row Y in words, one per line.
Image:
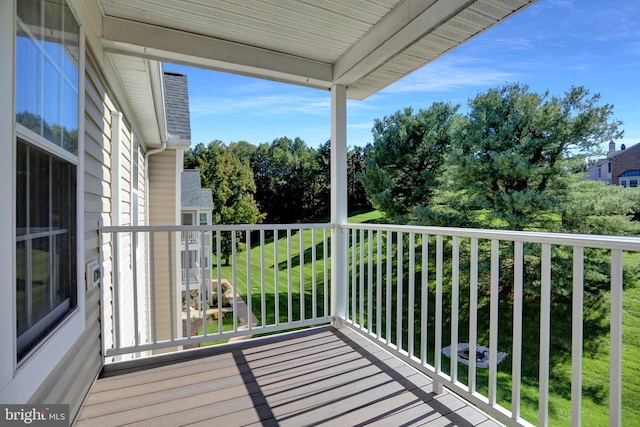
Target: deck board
column 315, row 377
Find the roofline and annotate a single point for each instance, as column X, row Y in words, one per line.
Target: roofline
column 156, row 76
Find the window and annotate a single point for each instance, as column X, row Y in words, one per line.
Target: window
column 633, row 183
column 204, row 218
column 623, row 183
column 609, row 167
column 45, row 243
column 187, row 218
column 599, row 173
column 47, row 63
column 47, row 57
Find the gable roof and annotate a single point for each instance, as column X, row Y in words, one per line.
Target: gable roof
column 625, row 152
column 192, row 194
column 363, row 45
column 176, row 95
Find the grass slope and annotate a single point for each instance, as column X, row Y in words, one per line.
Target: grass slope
column 285, row 298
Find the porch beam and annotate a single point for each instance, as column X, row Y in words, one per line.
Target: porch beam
column 338, row 201
column 408, row 22
column 169, row 45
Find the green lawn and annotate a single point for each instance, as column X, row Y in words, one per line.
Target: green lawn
column 596, row 353
column 372, row 217
column 276, row 279
column 212, row 328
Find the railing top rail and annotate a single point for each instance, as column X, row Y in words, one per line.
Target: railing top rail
column 223, row 227
column 584, row 240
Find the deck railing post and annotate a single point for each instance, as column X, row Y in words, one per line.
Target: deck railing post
column 338, row 202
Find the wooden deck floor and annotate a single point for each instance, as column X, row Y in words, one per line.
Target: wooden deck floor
column 321, row 376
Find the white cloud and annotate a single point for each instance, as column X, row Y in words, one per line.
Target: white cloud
column 447, row 75
column 366, row 125
column 259, row 105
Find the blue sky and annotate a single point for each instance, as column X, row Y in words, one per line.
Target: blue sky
column 551, row 45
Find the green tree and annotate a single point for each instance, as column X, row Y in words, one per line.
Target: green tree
column 323, row 159
column 233, row 188
column 595, row 207
column 356, row 195
column 285, row 173
column 512, row 151
column 406, row 158
column 243, row 150
column 192, row 155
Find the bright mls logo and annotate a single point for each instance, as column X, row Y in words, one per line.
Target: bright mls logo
column 34, row 415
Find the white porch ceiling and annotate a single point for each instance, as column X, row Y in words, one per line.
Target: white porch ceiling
column 364, row 45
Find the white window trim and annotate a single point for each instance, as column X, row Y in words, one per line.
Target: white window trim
column 18, row 383
column 7, row 193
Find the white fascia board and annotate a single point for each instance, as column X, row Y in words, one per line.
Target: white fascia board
column 407, row 23
column 168, row 45
column 156, row 78
column 178, row 143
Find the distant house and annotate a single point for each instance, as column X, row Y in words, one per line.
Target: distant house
column 600, row 170
column 620, row 167
column 625, row 166
column 197, row 204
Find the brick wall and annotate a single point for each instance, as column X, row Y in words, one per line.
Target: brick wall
column 625, row 160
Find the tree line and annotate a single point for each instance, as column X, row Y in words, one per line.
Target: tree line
column 285, row 181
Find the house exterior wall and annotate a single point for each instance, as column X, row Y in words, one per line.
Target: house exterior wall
column 63, row 368
column 623, row 161
column 164, row 209
column 23, row 381
column 600, row 171
column 130, row 254
column 67, row 383
column 71, row 379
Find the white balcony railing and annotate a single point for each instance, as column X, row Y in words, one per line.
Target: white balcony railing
column 189, row 237
column 287, row 284
column 415, row 291
column 192, row 274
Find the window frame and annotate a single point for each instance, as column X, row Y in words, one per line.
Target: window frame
column 56, row 313
column 55, row 342
column 207, row 218
column 19, row 382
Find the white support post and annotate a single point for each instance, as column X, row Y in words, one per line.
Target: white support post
column 338, row 202
column 116, row 219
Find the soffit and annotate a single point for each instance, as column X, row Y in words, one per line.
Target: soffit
column 134, row 77
column 365, row 45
